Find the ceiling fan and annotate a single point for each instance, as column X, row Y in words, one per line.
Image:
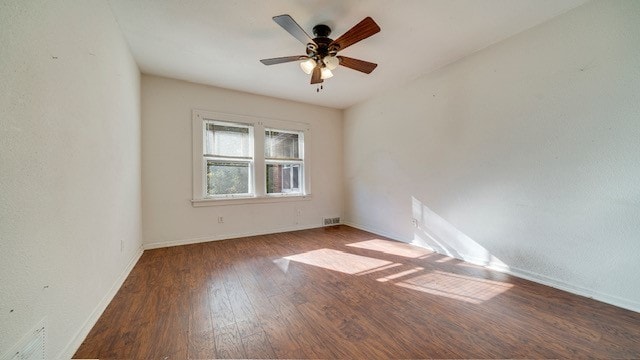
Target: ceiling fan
column 322, row 51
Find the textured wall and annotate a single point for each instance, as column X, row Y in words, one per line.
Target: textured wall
column 525, row 155
column 69, row 167
column 169, row 217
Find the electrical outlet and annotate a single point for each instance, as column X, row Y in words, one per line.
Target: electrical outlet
column 220, row 219
column 414, row 222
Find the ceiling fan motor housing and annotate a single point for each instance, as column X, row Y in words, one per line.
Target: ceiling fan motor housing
column 323, row 41
column 321, row 30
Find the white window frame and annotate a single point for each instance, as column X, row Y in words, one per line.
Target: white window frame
column 258, row 171
column 300, row 161
column 230, row 159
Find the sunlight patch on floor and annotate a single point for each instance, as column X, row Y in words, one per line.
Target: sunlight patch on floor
column 381, row 268
column 282, row 264
column 338, row 261
column 454, row 286
column 400, row 274
column 392, row 248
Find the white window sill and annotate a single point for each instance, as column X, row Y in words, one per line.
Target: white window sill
column 249, row 200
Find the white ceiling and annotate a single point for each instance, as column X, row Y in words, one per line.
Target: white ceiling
column 221, row 42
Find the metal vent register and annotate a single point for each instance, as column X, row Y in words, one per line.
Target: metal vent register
column 331, row 221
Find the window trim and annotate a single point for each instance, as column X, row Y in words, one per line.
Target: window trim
column 258, row 173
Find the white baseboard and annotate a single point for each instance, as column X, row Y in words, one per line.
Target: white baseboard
column 524, row 274
column 163, row 244
column 376, row 231
column 574, row 289
column 77, row 340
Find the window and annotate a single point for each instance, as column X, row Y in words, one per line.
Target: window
column 240, row 158
column 228, row 152
column 284, row 159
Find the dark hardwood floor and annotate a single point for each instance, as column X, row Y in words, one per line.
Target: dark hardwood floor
column 344, row 293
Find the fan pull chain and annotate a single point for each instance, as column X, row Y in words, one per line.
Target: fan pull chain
column 319, row 88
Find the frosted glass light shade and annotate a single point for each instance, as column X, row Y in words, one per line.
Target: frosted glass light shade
column 307, row 66
column 325, row 73
column 331, row 62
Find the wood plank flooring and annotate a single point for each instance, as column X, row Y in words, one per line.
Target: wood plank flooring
column 344, row 293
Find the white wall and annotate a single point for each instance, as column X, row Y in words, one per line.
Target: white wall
column 525, row 155
column 69, row 168
column 168, row 215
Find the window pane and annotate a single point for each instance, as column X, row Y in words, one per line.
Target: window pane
column 286, row 178
column 227, row 178
column 283, row 178
column 281, row 145
column 295, row 173
column 227, row 140
column 274, row 178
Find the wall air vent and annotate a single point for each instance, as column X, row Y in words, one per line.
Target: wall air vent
column 31, row 347
column 331, row 221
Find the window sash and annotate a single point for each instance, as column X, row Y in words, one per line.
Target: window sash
column 271, row 145
column 246, row 185
column 283, row 179
column 215, row 145
column 213, row 153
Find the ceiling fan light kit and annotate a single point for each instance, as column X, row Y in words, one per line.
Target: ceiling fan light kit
column 325, row 73
column 321, row 52
column 308, row 65
column 331, row 62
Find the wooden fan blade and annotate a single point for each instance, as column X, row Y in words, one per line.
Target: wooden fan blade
column 293, row 28
column 355, row 64
column 316, row 75
column 284, row 59
column 361, row 31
